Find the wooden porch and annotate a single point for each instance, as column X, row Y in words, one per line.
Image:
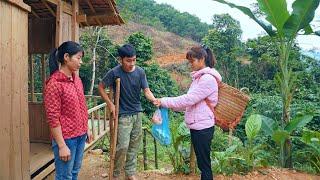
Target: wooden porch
column 41, row 155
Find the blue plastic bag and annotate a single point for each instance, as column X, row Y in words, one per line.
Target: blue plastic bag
column 161, row 132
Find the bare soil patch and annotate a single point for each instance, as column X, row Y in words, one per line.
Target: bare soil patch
column 94, row 166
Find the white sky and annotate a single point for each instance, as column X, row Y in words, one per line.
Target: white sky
column 205, row 9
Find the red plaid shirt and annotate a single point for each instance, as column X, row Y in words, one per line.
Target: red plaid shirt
column 65, row 104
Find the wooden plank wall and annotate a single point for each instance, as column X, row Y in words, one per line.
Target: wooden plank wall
column 66, row 27
column 14, row 131
column 41, row 35
column 39, row 129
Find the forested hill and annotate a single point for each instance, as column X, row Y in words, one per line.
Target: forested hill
column 163, row 17
column 164, row 43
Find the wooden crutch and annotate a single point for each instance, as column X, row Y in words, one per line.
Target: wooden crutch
column 114, row 130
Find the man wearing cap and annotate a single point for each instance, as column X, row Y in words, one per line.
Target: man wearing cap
column 133, row 80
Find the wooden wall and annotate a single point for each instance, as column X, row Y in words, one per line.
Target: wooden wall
column 39, row 128
column 66, row 27
column 41, row 35
column 14, row 131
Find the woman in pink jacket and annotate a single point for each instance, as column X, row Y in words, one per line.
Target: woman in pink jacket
column 198, row 116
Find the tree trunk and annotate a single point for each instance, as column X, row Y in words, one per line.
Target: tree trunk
column 94, row 58
column 286, row 93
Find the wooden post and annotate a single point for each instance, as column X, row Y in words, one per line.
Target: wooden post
column 145, row 167
column 59, row 20
column 92, row 125
column 115, row 129
column 98, row 116
column 155, row 153
column 192, row 160
column 32, row 78
column 105, row 118
column 43, row 71
column 74, row 22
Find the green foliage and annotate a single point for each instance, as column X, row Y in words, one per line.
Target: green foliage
column 298, row 122
column 253, row 126
column 287, row 29
column 228, row 162
column 106, row 53
column 276, row 11
column 160, row 84
column 311, row 153
column 179, row 152
column 238, row 157
column 143, row 47
column 301, row 16
column 282, row 134
column 224, row 41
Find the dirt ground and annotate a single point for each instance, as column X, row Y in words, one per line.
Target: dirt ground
column 95, row 167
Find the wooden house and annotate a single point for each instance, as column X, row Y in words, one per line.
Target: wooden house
column 29, row 27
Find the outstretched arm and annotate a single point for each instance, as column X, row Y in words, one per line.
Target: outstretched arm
column 149, row 95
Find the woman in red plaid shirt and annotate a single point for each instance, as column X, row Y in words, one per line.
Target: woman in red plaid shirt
column 66, row 110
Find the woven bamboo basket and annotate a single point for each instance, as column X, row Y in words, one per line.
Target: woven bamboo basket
column 231, row 106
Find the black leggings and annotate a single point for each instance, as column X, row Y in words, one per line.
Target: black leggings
column 201, row 140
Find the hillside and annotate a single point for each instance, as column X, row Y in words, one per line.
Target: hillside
column 168, row 47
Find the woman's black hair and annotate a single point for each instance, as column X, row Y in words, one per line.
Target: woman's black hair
column 57, row 55
column 200, row 52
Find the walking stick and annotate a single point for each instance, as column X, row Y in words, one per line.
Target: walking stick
column 114, row 130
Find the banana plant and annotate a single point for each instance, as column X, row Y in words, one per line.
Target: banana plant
column 284, row 28
column 280, row 134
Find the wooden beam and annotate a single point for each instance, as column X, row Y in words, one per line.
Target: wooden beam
column 74, row 22
column 20, row 4
column 82, row 12
column 49, row 8
column 59, row 21
column 112, row 5
column 113, row 9
column 55, row 2
column 92, row 10
column 67, row 8
column 104, row 16
column 82, row 18
column 35, row 14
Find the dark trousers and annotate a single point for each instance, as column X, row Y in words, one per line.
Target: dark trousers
column 201, row 140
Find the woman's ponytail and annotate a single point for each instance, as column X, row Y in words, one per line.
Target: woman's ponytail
column 53, row 61
column 210, row 59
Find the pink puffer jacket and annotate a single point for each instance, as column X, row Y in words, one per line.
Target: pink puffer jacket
column 197, row 113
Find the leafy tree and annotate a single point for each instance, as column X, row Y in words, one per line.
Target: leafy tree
column 224, row 41
column 100, row 56
column 286, row 29
column 143, row 47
